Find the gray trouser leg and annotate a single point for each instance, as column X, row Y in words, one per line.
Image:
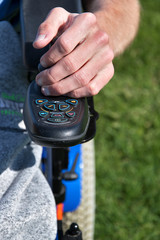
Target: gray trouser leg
column 27, row 206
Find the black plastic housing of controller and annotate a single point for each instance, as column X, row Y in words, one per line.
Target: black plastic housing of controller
column 55, row 121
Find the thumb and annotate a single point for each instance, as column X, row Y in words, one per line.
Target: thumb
column 48, row 29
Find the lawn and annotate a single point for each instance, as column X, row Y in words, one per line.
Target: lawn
column 128, row 139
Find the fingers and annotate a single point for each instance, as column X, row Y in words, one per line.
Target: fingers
column 79, row 63
column 50, row 27
column 77, row 31
column 78, row 84
column 75, row 60
column 94, row 86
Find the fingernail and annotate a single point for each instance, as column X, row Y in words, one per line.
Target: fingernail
column 39, row 81
column 45, row 91
column 40, row 37
column 43, row 63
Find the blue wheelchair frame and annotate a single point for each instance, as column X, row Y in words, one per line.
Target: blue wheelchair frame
column 73, row 188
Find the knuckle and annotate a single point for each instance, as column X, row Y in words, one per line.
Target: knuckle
column 63, row 45
column 102, row 38
column 111, row 54
column 50, row 59
column 89, row 18
column 55, row 10
column 50, row 75
column 92, row 89
column 59, row 89
column 69, row 64
column 75, row 94
column 45, row 26
column 111, row 71
column 108, row 55
column 81, row 78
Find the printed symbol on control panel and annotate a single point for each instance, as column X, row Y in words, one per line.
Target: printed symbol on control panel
column 63, row 107
column 71, row 114
column 41, row 101
column 72, row 101
column 49, row 106
column 57, row 114
column 57, row 120
column 43, row 114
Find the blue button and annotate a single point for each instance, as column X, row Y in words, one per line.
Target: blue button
column 43, row 114
column 40, row 101
column 72, row 101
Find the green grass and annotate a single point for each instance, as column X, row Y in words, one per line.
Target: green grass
column 128, row 139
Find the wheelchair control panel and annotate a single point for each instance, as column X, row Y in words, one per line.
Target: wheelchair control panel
column 55, row 121
column 57, row 111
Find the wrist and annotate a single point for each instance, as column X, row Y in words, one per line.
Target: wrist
column 120, row 23
column 105, row 25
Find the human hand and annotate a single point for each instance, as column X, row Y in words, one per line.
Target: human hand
column 79, row 63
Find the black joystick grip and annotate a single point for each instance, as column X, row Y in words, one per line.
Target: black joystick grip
column 55, row 121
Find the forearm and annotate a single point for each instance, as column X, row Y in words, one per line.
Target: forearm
column 118, row 18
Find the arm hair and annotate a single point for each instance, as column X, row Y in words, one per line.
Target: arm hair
column 118, row 18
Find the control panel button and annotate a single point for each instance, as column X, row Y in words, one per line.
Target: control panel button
column 63, row 107
column 57, row 120
column 72, row 101
column 57, row 114
column 41, row 101
column 50, row 106
column 43, row 114
column 70, row 114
